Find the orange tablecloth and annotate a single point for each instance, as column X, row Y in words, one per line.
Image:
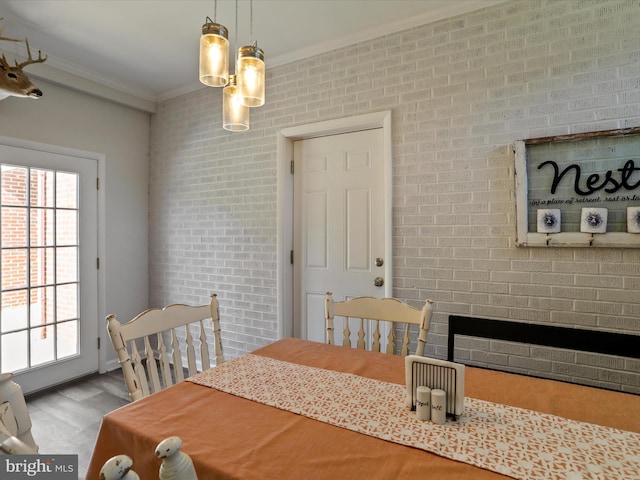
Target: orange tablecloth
column 230, row 437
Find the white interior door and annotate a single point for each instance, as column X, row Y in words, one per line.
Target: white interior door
column 48, row 252
column 339, row 223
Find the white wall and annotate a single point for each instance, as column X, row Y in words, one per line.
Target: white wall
column 73, row 120
column 461, row 91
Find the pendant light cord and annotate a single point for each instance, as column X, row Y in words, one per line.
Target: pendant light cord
column 235, row 57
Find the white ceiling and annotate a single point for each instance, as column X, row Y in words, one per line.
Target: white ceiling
column 149, row 48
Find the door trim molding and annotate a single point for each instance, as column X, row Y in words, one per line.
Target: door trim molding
column 285, row 140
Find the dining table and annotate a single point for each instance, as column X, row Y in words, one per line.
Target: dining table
column 245, row 420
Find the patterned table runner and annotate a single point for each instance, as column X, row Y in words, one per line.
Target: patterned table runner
column 519, row 443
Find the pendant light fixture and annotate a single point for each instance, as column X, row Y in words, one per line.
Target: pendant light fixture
column 243, row 89
column 214, row 53
column 251, row 77
column 235, row 115
column 250, row 71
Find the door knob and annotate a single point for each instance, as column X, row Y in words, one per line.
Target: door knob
column 378, row 282
column 379, row 262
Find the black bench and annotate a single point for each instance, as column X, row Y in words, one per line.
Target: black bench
column 608, row 343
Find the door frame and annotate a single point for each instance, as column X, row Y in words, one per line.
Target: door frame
column 100, row 223
column 285, row 140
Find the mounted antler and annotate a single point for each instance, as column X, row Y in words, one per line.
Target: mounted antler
column 13, row 81
column 7, row 38
column 31, row 59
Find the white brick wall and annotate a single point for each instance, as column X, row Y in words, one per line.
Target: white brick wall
column 461, row 91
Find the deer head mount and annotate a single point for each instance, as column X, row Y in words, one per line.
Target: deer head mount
column 13, row 81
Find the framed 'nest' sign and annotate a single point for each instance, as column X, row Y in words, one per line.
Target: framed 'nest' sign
column 579, row 190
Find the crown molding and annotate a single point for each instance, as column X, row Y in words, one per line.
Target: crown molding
column 448, row 10
column 75, row 77
column 183, row 90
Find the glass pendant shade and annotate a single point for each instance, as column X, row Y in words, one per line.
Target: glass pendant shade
column 235, row 115
column 250, row 73
column 214, row 55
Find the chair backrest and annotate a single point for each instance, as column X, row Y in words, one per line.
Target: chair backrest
column 152, row 345
column 375, row 310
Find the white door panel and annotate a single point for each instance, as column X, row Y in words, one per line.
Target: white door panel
column 317, row 238
column 314, row 303
column 358, row 230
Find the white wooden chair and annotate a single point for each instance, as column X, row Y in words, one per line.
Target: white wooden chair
column 371, row 311
column 12, row 445
column 15, row 422
column 152, row 345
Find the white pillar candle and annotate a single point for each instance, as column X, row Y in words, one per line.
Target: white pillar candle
column 423, row 403
column 438, row 406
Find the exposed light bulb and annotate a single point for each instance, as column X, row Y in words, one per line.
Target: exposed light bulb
column 250, row 77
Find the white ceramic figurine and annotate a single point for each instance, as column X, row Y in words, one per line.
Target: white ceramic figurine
column 176, row 465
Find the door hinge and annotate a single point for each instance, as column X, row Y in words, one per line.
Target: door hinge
column 291, row 168
column 291, row 257
column 98, row 343
column 98, row 183
column 98, row 263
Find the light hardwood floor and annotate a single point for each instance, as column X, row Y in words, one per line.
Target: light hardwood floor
column 66, row 418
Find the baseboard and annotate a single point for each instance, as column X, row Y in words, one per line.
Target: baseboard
column 112, row 365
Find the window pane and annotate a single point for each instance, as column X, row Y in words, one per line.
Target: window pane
column 14, row 351
column 42, row 262
column 42, row 345
column 39, row 238
column 67, row 302
column 14, row 310
column 67, row 227
column 14, row 269
column 42, row 306
column 67, row 264
column 42, row 188
column 13, row 182
column 66, row 190
column 14, row 227
column 42, row 227
column 67, row 337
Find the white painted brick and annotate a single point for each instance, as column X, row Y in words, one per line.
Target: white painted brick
column 553, row 354
column 583, row 319
column 573, row 370
column 482, row 358
column 530, row 365
column 627, row 323
column 605, row 361
column 529, row 315
column 461, row 90
column 628, row 380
